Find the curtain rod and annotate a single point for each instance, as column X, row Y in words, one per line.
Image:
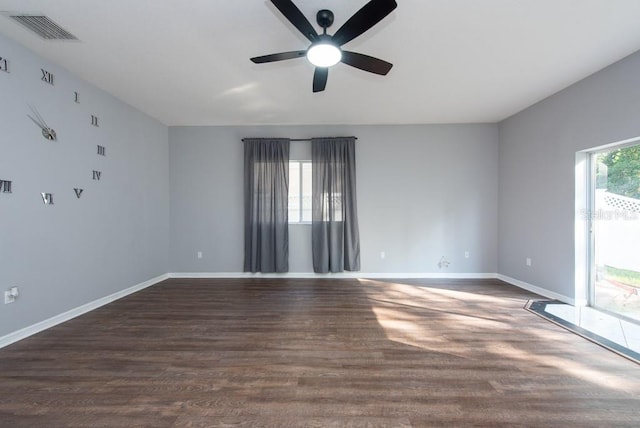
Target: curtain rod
column 294, row 139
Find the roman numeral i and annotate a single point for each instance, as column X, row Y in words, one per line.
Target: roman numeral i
column 4, row 64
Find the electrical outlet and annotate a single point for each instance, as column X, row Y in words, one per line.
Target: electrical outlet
column 199, row 254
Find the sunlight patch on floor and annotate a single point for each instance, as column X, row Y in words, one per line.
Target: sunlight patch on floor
column 461, row 323
column 574, row 368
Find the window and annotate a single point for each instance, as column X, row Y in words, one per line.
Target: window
column 300, row 192
column 615, row 220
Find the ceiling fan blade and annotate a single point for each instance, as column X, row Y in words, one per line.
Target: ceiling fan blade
column 320, row 79
column 370, row 14
column 293, row 14
column 278, row 56
column 366, row 62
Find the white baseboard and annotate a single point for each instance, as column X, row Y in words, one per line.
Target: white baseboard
column 66, row 316
column 535, row 289
column 300, row 275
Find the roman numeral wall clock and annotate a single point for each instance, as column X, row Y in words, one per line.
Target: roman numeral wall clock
column 68, row 144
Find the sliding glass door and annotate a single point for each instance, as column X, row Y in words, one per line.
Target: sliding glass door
column 615, row 226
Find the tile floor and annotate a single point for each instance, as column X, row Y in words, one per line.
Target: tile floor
column 620, row 336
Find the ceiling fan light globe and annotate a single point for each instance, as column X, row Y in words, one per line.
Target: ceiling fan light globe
column 324, row 54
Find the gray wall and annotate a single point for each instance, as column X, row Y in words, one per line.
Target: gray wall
column 78, row 250
column 424, row 191
column 537, row 170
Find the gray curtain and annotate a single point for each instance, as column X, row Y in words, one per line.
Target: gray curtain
column 334, row 229
column 266, row 192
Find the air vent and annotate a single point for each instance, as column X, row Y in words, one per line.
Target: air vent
column 43, row 27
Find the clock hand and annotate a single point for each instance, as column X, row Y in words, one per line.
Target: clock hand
column 47, row 132
column 36, row 122
column 40, row 121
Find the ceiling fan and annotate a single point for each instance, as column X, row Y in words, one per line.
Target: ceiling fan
column 324, row 50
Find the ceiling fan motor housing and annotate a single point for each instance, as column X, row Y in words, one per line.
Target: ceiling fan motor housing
column 324, row 18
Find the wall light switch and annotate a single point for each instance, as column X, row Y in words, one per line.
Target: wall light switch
column 528, row 261
column 466, row 254
column 199, row 254
column 382, row 255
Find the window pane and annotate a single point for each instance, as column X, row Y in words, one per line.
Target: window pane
column 294, row 192
column 616, row 228
column 306, row 191
column 300, row 192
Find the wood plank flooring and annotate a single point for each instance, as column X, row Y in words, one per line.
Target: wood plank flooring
column 316, row 353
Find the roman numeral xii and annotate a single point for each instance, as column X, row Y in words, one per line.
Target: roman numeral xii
column 47, row 77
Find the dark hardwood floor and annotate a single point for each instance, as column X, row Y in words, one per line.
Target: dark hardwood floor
column 316, row 353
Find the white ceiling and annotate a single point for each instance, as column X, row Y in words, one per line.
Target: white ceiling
column 186, row 62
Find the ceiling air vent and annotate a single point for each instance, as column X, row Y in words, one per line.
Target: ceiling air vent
column 43, row 27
